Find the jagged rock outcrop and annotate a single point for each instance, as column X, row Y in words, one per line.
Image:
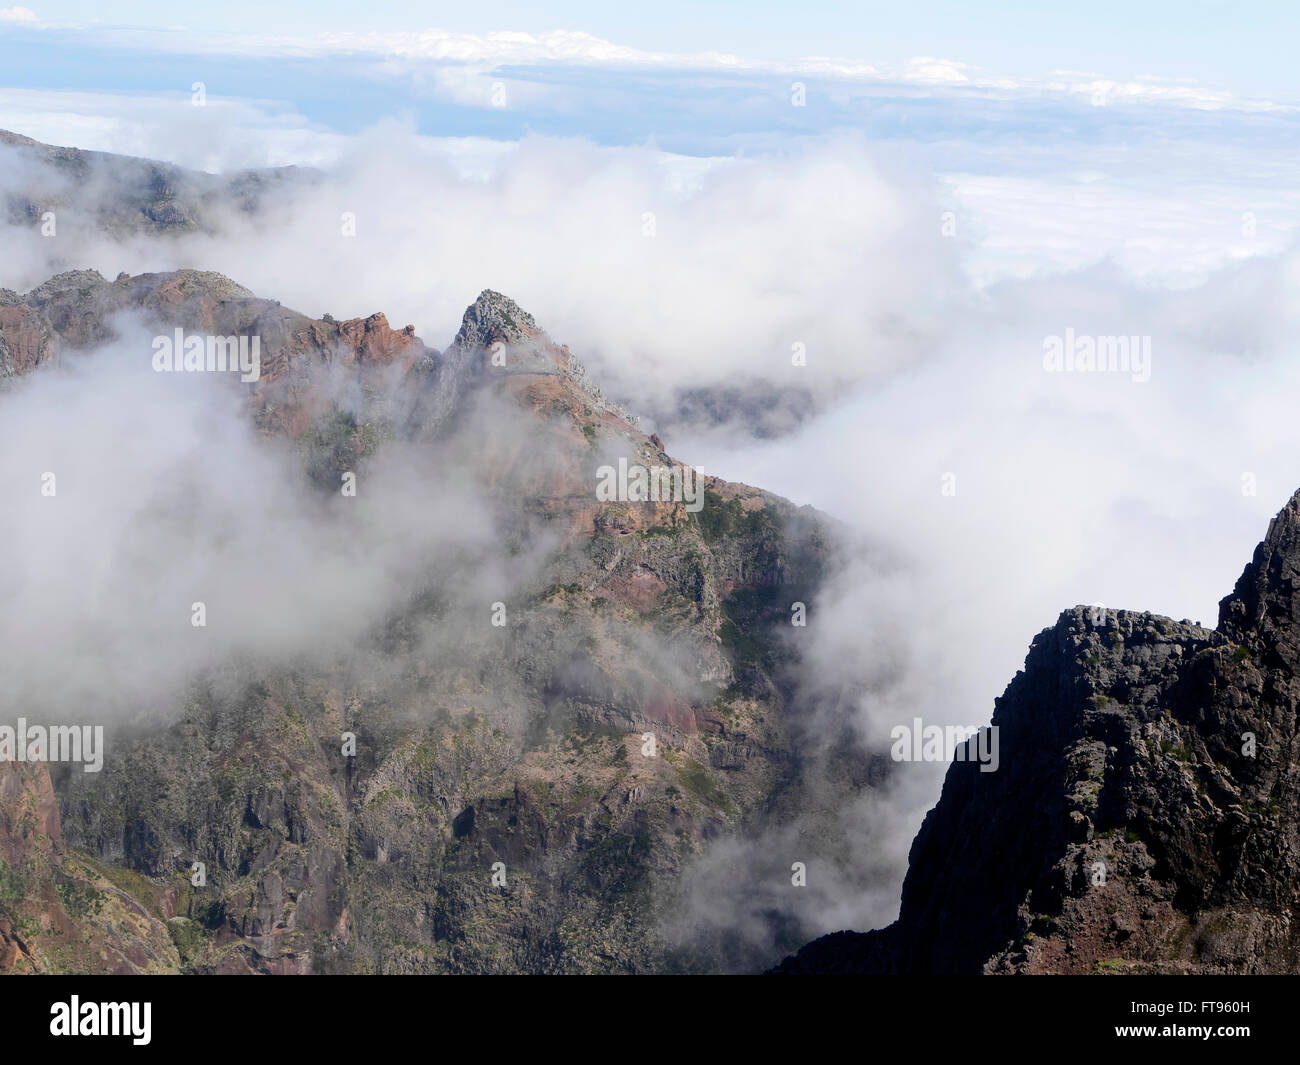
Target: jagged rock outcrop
column 27, row 337
column 495, row 318
column 1146, row 813
column 81, row 310
column 515, row 344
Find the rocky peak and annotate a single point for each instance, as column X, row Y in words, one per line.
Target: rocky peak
column 1265, row 604
column 494, row 317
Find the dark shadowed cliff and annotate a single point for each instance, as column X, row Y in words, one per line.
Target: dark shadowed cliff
column 1146, row 814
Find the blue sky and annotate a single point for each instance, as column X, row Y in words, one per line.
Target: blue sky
column 1246, row 46
column 702, row 79
column 1141, row 132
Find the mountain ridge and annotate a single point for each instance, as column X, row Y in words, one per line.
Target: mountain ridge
column 642, row 618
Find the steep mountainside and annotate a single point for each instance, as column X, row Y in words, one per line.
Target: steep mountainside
column 523, row 745
column 67, row 912
column 1146, row 814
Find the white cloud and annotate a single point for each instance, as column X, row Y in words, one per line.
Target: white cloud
column 558, row 46
column 927, row 69
column 482, row 54
column 662, row 272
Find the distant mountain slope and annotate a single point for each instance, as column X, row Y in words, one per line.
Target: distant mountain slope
column 121, row 195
